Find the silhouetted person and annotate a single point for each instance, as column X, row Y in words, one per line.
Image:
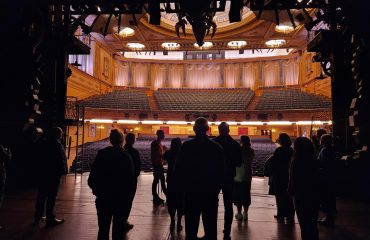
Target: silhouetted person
column 243, row 180
column 175, row 199
column 53, row 164
column 280, row 177
column 199, row 174
column 156, row 153
column 316, row 140
column 327, row 166
column 135, row 156
column 5, row 156
column 233, row 159
column 111, row 180
column 303, row 187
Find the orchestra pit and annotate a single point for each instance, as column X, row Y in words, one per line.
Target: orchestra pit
column 264, row 67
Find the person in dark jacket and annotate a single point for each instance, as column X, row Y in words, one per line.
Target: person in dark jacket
column 327, row 166
column 53, row 164
column 135, row 156
column 303, row 187
column 175, row 198
column 233, row 159
column 5, row 156
column 199, row 173
column 156, row 154
column 280, row 177
column 111, row 180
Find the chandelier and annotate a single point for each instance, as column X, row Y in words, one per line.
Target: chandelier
column 170, row 45
column 284, row 29
column 206, row 45
column 275, row 43
column 135, row 46
column 236, row 44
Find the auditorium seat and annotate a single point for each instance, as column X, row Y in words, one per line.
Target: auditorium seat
column 130, row 99
column 291, row 99
column 203, row 99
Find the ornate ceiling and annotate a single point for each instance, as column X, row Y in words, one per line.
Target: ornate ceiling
column 255, row 32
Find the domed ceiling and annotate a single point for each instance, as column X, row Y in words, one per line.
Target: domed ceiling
column 250, row 29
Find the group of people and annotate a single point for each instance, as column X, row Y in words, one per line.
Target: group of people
column 302, row 179
column 197, row 171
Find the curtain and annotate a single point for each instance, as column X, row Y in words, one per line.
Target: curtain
column 270, row 73
column 232, row 75
column 139, row 74
column 121, row 74
column 249, row 75
column 175, row 75
column 203, row 76
column 86, row 61
column 158, row 75
column 291, row 71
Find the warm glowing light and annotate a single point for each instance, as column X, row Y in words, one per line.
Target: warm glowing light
column 236, row 44
column 127, row 121
column 152, row 122
column 279, row 123
column 231, row 123
column 170, row 45
column 135, row 46
column 205, row 45
column 177, row 122
column 100, row 121
column 251, row 123
column 127, row 32
column 284, row 29
column 136, row 129
column 275, row 43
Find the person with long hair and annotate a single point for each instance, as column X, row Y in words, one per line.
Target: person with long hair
column 280, row 177
column 303, row 187
column 243, row 180
column 175, row 198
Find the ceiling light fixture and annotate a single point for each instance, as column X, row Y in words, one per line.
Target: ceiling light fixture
column 126, row 32
column 284, row 29
column 170, row 45
column 236, row 44
column 135, row 46
column 275, row 43
column 205, row 45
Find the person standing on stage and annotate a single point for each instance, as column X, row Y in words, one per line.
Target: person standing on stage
column 135, row 156
column 233, row 159
column 156, row 153
column 199, row 173
column 53, row 164
column 111, row 180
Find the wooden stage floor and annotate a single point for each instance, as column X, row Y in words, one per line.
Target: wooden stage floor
column 76, row 205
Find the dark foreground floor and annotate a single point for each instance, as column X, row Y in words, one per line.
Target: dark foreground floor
column 76, row 205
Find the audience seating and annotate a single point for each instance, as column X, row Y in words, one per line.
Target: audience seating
column 263, row 149
column 203, row 100
column 119, row 99
column 291, row 99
